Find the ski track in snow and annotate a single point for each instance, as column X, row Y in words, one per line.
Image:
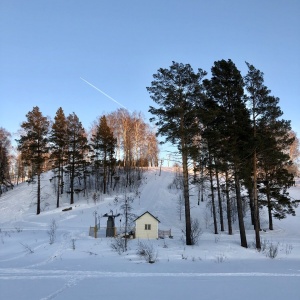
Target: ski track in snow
column 71, row 282
column 8, row 274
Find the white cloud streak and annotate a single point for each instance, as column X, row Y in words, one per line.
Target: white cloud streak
column 109, row 97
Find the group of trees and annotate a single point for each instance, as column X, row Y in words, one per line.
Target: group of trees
column 64, row 146
column 230, row 128
column 135, row 138
column 5, row 159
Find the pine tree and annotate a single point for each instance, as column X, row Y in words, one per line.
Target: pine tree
column 273, row 165
column 272, row 141
column 76, row 148
column 104, row 143
column 209, row 148
column 34, row 145
column 259, row 106
column 58, row 139
column 232, row 125
column 177, row 91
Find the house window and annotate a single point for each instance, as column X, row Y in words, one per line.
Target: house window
column 147, row 226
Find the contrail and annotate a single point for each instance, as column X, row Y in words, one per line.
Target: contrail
column 103, row 93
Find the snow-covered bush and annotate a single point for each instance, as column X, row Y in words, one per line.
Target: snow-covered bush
column 269, row 249
column 118, row 244
column 220, row 258
column 196, row 231
column 272, row 250
column 288, row 249
column 52, row 231
column 146, row 250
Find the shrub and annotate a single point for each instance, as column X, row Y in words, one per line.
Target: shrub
column 220, row 258
column 52, row 232
column 288, row 249
column 269, row 249
column 196, row 231
column 146, row 250
column 272, row 250
column 118, row 244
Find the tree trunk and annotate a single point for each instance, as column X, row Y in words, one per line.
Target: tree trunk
column 62, row 178
column 212, row 194
column 72, row 175
column 202, row 181
column 269, row 208
column 85, row 182
column 251, row 204
column 240, row 211
column 186, row 198
column 255, row 200
column 111, row 177
column 229, row 218
column 38, row 207
column 220, row 201
column 104, row 173
column 58, row 185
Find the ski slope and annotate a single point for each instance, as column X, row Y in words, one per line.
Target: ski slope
column 77, row 266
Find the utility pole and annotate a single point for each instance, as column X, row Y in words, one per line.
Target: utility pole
column 95, row 228
column 160, row 167
column 126, row 221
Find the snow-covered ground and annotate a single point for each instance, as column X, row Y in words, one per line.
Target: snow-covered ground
column 77, row 266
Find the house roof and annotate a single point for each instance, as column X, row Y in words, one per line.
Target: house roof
column 147, row 212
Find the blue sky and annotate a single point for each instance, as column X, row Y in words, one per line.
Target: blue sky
column 117, row 45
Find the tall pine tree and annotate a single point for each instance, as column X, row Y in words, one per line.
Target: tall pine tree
column 76, row 148
column 177, row 91
column 104, row 143
column 233, row 125
column 58, row 139
column 33, row 144
column 273, row 164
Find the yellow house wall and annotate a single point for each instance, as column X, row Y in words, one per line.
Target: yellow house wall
column 140, row 231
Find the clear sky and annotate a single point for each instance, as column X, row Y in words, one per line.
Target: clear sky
column 117, row 45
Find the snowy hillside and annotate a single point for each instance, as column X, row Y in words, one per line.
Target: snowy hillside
column 78, row 266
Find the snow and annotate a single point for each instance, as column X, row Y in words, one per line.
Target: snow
column 217, row 268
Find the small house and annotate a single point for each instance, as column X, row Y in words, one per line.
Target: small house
column 146, row 226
